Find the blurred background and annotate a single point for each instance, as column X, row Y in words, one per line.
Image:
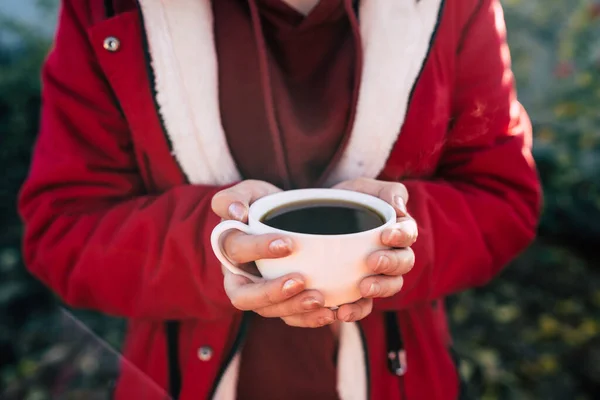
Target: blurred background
column 534, row 333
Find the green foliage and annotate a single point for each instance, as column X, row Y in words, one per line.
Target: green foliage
column 31, row 328
column 534, row 333
column 556, row 56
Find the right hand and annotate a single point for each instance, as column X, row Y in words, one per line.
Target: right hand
column 283, row 297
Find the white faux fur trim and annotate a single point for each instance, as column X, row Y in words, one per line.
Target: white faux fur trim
column 351, row 374
column 395, row 37
column 352, row 371
column 184, row 60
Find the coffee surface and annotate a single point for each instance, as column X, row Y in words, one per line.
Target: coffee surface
column 323, row 217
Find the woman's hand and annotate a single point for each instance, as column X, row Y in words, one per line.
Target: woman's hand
column 284, row 297
column 388, row 265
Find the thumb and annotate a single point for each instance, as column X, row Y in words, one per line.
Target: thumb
column 233, row 202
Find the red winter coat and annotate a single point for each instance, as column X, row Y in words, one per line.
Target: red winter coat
column 117, row 203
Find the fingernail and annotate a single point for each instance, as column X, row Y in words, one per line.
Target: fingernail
column 349, row 317
column 393, row 236
column 290, row 286
column 399, row 203
column 325, row 321
column 237, row 211
column 374, row 289
column 280, row 246
column 382, row 264
column 310, row 303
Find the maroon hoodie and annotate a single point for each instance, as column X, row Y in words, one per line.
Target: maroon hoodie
column 294, row 94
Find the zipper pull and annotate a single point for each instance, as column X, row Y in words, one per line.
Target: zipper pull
column 397, row 362
column 396, row 355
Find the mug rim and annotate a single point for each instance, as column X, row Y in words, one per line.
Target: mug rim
column 257, row 211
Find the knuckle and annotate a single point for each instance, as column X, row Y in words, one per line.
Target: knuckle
column 219, row 201
column 260, row 247
column 410, row 258
column 293, row 310
column 388, row 186
column 255, row 186
column 269, row 297
column 292, row 307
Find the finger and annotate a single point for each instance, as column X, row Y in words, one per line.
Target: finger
column 247, row 267
column 309, row 300
column 393, row 262
column 393, row 193
column 396, row 195
column 233, row 202
column 380, row 286
column 232, row 281
column 242, row 248
column 355, row 311
column 312, row 319
column 247, row 296
column 403, row 233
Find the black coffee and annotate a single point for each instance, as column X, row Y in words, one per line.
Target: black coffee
column 323, row 217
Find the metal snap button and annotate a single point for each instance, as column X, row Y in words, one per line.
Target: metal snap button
column 205, row 353
column 111, row 44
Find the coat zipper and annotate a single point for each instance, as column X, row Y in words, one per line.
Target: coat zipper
column 396, row 354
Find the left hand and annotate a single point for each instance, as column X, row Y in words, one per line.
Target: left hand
column 388, row 265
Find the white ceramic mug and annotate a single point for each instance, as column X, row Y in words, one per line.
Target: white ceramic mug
column 332, row 264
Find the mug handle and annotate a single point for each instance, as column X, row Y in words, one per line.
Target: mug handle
column 215, row 241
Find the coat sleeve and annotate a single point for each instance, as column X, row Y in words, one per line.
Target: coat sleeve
column 483, row 207
column 92, row 233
